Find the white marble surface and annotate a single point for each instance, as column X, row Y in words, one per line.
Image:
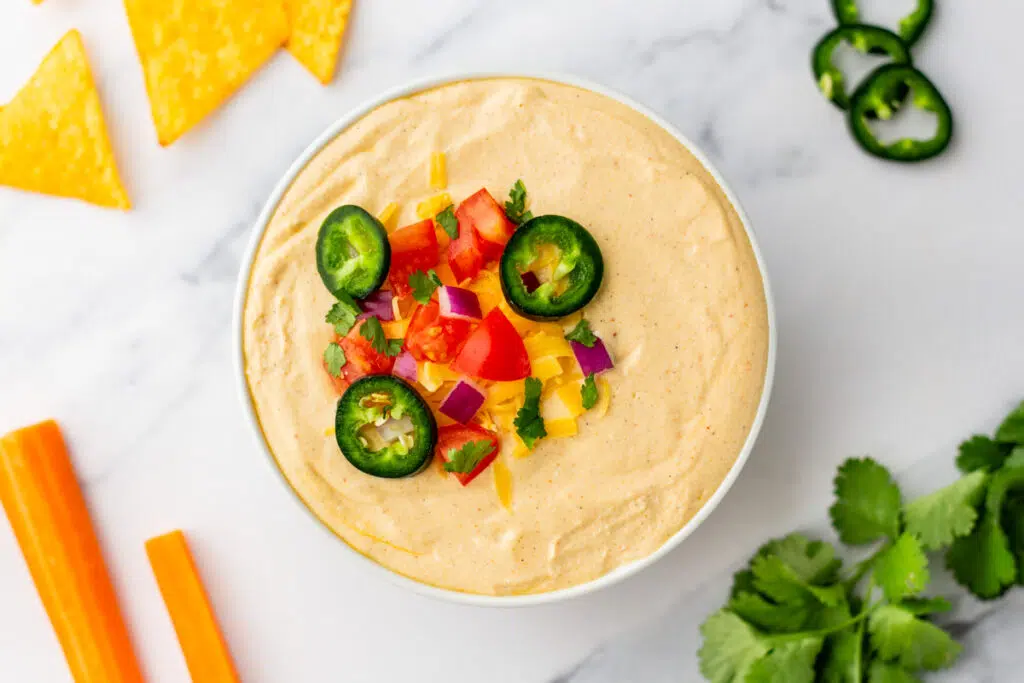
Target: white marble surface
column 898, row 293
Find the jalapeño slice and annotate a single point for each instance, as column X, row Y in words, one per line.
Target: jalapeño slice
column 911, row 26
column 874, row 98
column 384, row 428
column 352, row 252
column 562, row 256
column 866, row 40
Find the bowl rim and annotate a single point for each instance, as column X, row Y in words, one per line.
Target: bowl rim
column 411, row 88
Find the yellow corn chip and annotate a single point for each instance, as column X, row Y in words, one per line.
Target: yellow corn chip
column 52, row 135
column 317, row 28
column 196, row 53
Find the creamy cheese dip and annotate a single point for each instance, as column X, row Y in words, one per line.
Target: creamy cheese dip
column 682, row 310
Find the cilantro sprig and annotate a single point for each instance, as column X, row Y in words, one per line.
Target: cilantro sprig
column 464, row 460
column 343, row 315
column 372, row 331
column 582, row 334
column 588, row 392
column 515, row 207
column 334, row 359
column 424, row 285
column 448, row 221
column 528, row 423
column 796, row 614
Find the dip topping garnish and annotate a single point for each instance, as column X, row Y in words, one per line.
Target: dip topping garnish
column 384, row 428
column 566, row 261
column 465, row 331
column 352, row 252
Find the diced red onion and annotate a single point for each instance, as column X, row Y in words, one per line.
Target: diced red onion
column 463, row 402
column 405, row 367
column 530, row 281
column 377, row 304
column 460, row 303
column 593, row 360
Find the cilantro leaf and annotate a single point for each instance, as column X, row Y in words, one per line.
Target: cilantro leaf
column 777, row 580
column 980, row 453
column 464, row 460
column 334, row 359
column 1012, row 428
column 729, row 649
column 902, row 569
column 447, row 220
column 867, row 505
column 343, row 315
column 588, row 392
column 925, row 606
column 515, row 207
column 529, row 424
column 813, row 561
column 1013, row 524
column 898, row 635
column 582, row 334
column 983, row 562
column 884, row 672
column 372, row 331
column 941, row 516
column 792, row 661
column 844, row 658
column 770, row 616
column 424, row 285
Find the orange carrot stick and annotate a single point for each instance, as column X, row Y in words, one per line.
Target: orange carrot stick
column 206, row 653
column 48, row 514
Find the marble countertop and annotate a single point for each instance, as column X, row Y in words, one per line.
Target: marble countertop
column 898, row 292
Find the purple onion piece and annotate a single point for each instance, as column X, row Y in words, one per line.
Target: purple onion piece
column 593, row 360
column 463, row 402
column 405, row 367
column 530, row 281
column 457, row 302
column 377, row 304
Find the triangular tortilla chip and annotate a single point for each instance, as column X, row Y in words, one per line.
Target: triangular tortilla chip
column 317, row 29
column 196, row 53
column 52, row 135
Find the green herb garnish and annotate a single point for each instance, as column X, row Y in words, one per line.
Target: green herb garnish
column 795, row 615
column 334, row 359
column 582, row 334
column 464, row 460
column 448, row 221
column 343, row 315
column 529, row 424
column 588, row 392
column 372, row 331
column 424, row 285
column 515, row 207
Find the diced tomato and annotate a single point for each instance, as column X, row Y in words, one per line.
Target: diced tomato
column 494, row 351
column 361, row 358
column 455, row 437
column 413, row 248
column 487, row 218
column 431, row 337
column 465, row 257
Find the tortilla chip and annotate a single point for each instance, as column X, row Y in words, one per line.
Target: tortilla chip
column 317, row 30
column 53, row 138
column 196, row 53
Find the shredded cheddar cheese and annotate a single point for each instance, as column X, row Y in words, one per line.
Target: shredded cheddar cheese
column 546, row 368
column 438, row 171
column 387, row 215
column 604, row 397
column 561, row 428
column 429, row 208
column 570, row 396
column 503, row 483
column 543, row 345
column 433, row 375
column 395, row 329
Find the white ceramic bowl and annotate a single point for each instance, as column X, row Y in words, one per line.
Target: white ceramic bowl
column 615, row 575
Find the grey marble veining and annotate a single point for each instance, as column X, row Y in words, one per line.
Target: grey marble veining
column 896, row 291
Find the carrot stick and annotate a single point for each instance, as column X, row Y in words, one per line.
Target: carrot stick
column 51, row 522
column 206, row 653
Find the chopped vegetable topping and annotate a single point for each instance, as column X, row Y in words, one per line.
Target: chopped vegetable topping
column 459, row 303
column 424, row 285
column 372, row 332
column 378, row 304
column 343, row 315
column 463, row 402
column 529, row 424
column 447, row 220
column 438, row 171
column 334, row 359
column 593, row 360
column 515, row 207
column 582, row 334
column 429, row 208
column 588, row 392
column 464, row 460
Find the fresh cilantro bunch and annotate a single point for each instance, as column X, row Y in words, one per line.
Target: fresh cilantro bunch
column 797, row 615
